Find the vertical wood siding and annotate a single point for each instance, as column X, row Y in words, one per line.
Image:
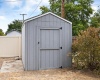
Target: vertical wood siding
column 49, row 48
column 31, row 43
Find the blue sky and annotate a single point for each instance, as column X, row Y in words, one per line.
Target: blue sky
column 10, row 11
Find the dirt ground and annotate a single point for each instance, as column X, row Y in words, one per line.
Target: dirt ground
column 4, row 59
column 53, row 74
column 12, row 66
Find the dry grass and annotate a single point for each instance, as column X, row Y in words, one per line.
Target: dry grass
column 53, row 74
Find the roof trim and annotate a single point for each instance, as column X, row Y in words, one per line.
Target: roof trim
column 46, row 14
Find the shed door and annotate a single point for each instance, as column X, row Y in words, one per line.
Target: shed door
column 49, row 48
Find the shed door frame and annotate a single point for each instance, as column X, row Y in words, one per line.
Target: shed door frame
column 38, row 40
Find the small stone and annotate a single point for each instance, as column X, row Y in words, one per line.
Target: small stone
column 17, row 58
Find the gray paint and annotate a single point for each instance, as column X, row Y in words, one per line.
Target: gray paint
column 23, row 45
column 46, row 54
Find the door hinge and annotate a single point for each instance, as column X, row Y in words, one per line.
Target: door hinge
column 61, row 28
column 60, row 67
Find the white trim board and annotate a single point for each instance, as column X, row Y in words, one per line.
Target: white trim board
column 46, row 14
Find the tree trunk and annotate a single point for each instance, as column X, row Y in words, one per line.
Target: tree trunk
column 62, row 9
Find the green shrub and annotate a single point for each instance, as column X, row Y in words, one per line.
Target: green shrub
column 86, row 49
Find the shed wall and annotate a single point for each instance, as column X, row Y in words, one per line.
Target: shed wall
column 31, row 47
column 23, row 45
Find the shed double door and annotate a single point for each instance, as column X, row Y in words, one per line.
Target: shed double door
column 50, row 48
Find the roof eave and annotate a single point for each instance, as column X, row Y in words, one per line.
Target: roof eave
column 44, row 15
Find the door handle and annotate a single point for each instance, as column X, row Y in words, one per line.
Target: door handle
column 38, row 42
column 60, row 47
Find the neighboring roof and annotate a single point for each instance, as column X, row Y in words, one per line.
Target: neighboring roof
column 35, row 17
column 13, row 30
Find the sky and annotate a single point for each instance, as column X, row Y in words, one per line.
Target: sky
column 10, row 10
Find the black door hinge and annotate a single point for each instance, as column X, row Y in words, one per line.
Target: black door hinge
column 60, row 67
column 61, row 28
column 60, row 47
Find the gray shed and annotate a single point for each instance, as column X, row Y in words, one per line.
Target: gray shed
column 46, row 42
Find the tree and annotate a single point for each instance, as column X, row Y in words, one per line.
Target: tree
column 95, row 20
column 62, row 9
column 1, row 32
column 15, row 25
column 44, row 9
column 76, row 11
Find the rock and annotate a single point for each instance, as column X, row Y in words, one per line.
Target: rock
column 17, row 58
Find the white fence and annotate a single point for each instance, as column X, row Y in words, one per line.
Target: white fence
column 10, row 46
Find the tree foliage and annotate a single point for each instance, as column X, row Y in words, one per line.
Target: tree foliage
column 15, row 25
column 44, row 9
column 76, row 11
column 86, row 49
column 1, row 32
column 95, row 20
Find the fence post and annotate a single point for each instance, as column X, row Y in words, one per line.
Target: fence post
column 19, row 40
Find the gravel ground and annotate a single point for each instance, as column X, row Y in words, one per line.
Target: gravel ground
column 53, row 74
